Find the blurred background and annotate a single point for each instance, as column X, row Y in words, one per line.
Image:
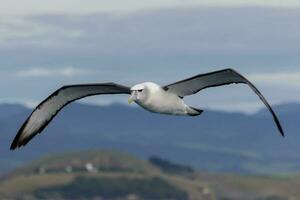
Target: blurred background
column 101, row 148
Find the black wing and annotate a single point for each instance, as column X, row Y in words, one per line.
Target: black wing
column 48, row 109
column 218, row 78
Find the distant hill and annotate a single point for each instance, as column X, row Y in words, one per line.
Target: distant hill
column 96, row 175
column 283, row 109
column 9, row 110
column 215, row 141
column 114, row 175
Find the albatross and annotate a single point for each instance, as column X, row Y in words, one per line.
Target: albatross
column 166, row 99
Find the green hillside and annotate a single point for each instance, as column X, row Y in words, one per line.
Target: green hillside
column 115, row 175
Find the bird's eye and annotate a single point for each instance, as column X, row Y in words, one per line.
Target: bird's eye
column 140, row 90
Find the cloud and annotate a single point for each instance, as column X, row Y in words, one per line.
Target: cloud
column 21, row 30
column 119, row 6
column 282, row 79
column 202, row 35
column 46, row 72
column 188, row 30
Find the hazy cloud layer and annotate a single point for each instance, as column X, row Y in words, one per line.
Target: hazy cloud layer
column 280, row 79
column 251, row 37
column 44, row 72
column 29, row 7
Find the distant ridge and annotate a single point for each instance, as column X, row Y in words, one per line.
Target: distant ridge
column 284, row 109
column 215, row 141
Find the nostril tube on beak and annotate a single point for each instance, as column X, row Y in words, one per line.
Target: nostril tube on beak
column 131, row 98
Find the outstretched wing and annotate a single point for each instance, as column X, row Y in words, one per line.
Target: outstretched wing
column 218, row 78
column 48, row 109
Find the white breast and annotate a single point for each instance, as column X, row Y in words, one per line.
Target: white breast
column 160, row 101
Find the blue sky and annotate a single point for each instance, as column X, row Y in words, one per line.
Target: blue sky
column 44, row 46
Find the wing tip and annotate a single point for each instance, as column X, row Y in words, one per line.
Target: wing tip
column 13, row 147
column 16, row 143
column 281, row 132
column 277, row 122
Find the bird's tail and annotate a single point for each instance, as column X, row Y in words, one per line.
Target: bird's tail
column 194, row 111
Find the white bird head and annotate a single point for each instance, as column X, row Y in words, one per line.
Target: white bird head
column 140, row 92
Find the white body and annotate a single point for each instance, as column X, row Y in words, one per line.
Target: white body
column 157, row 100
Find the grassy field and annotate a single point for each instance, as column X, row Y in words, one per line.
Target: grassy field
column 114, row 175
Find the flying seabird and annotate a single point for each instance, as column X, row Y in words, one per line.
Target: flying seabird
column 152, row 97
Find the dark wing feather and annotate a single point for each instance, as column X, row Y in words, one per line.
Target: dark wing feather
column 48, row 109
column 218, row 78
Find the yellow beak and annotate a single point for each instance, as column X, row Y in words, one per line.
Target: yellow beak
column 130, row 100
